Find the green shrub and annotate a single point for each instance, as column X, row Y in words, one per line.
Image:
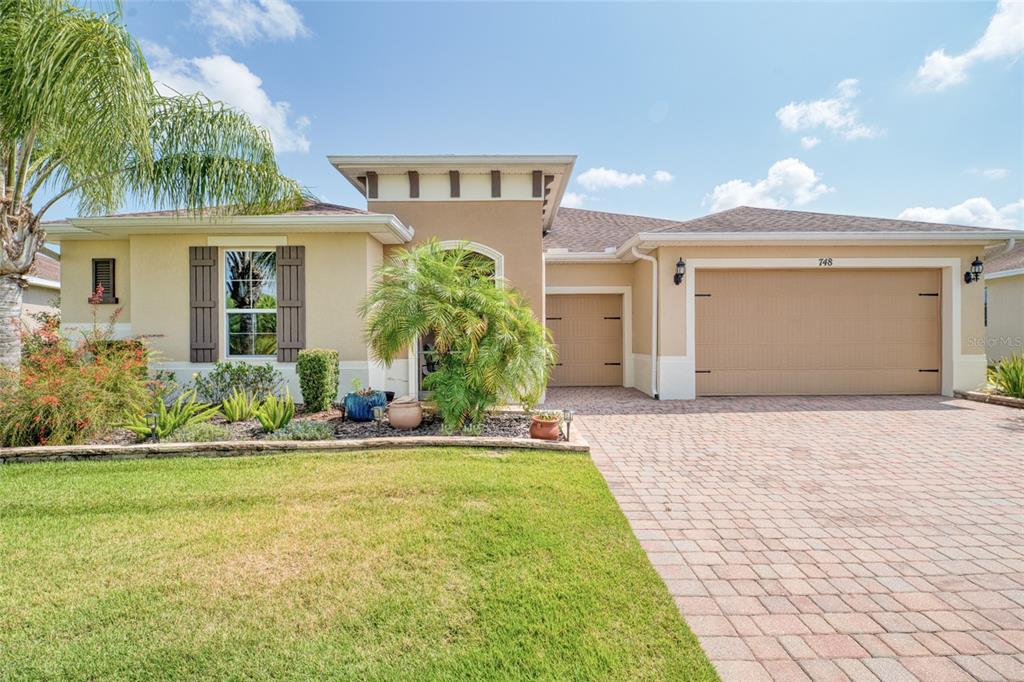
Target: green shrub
column 184, row 411
column 200, row 432
column 488, row 346
column 318, row 378
column 275, row 413
column 1007, row 375
column 238, row 406
column 64, row 394
column 226, row 377
column 304, row 430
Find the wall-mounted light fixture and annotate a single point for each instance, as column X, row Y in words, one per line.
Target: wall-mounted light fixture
column 974, row 274
column 680, row 272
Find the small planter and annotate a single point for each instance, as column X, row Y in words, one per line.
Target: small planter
column 544, row 428
column 405, row 413
column 359, row 406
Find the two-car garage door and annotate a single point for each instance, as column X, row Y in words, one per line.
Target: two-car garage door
column 818, row 332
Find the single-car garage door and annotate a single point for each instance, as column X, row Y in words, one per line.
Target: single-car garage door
column 818, row 332
column 587, row 328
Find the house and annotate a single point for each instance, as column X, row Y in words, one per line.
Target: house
column 42, row 292
column 740, row 302
column 1004, row 302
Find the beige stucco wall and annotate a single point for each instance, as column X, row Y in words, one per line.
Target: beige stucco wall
column 1005, row 331
column 589, row 274
column 76, row 280
column 513, row 228
column 155, row 269
column 672, row 309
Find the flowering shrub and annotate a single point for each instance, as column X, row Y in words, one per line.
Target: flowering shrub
column 71, row 393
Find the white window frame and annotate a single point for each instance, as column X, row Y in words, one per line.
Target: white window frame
column 228, row 311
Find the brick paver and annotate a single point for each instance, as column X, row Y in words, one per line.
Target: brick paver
column 827, row 538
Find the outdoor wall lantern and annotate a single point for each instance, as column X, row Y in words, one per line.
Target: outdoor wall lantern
column 680, row 271
column 974, row 274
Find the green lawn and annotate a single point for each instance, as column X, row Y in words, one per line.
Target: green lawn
column 413, row 565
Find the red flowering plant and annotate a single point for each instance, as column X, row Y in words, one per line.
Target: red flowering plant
column 69, row 392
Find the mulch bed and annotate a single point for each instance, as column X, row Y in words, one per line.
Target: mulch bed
column 499, row 425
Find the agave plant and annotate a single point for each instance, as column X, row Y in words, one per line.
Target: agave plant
column 488, row 346
column 185, row 411
column 1007, row 375
column 80, row 118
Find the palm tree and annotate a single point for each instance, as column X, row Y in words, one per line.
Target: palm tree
column 488, row 346
column 80, row 118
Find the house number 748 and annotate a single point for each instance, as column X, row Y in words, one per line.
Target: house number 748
column 824, row 262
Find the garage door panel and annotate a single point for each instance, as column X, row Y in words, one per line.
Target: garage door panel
column 587, row 330
column 794, row 332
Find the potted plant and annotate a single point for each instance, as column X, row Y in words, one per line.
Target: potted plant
column 360, row 402
column 546, row 425
column 405, row 413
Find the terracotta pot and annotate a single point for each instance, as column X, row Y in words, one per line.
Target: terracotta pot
column 544, row 430
column 405, row 413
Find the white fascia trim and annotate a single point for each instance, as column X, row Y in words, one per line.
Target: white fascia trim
column 952, row 328
column 447, row 161
column 1005, row 273
column 656, row 239
column 627, row 320
column 382, row 226
column 581, row 257
column 43, row 283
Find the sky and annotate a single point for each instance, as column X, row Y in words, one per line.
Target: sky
column 675, row 110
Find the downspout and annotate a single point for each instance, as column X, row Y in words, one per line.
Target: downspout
column 654, row 318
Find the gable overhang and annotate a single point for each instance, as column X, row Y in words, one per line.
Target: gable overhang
column 649, row 241
column 387, row 229
column 555, row 171
column 1017, row 272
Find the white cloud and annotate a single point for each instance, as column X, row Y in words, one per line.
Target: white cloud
column 663, row 176
column 990, row 173
column 836, row 114
column 790, row 182
column 808, row 142
column 245, row 21
column 222, row 78
column 978, row 211
column 1004, row 38
column 594, row 179
column 573, row 199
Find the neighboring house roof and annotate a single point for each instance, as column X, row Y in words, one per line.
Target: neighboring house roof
column 578, row 229
column 1002, row 263
column 45, row 267
column 594, row 231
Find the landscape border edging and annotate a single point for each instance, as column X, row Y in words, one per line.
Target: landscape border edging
column 64, row 453
column 991, row 398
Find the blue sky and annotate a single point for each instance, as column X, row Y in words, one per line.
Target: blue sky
column 835, row 107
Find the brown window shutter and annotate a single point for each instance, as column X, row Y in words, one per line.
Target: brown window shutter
column 103, row 274
column 291, row 302
column 202, row 303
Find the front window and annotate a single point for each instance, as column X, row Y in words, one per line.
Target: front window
column 250, row 301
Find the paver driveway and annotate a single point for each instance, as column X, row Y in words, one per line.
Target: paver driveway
column 827, row 538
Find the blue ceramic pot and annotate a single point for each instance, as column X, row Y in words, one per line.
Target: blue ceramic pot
column 359, row 408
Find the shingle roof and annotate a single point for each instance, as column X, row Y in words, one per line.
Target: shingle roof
column 45, row 267
column 577, row 229
column 310, row 208
column 749, row 219
column 1010, row 260
column 581, row 230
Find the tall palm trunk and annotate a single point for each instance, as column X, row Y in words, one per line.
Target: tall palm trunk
column 11, row 293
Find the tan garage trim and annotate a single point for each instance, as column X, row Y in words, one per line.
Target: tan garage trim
column 818, row 332
column 588, row 331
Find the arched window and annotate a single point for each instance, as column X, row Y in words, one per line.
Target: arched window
column 495, row 256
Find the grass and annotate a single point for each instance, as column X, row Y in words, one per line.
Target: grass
column 399, row 565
